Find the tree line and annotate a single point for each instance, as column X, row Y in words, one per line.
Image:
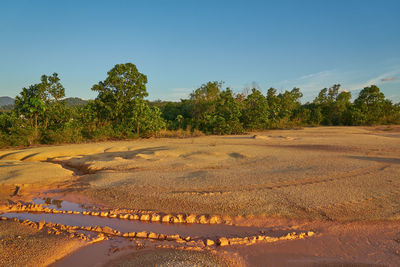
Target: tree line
column 120, row 110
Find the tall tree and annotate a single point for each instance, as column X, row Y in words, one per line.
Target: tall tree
column 37, row 101
column 120, row 93
column 333, row 105
column 289, row 101
column 369, row 105
column 255, row 112
column 204, row 98
column 227, row 114
column 274, row 105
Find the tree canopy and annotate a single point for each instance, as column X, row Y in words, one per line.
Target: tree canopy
column 121, row 110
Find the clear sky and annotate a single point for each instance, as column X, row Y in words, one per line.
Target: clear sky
column 180, row 45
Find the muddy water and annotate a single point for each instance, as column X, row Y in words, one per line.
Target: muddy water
column 118, row 251
column 59, row 204
column 116, row 247
column 193, row 230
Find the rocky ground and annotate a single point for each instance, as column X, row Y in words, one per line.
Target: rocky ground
column 339, row 174
column 26, row 246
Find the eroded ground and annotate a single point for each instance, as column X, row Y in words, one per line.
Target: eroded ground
column 333, row 180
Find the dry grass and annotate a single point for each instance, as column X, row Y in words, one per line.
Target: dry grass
column 180, row 133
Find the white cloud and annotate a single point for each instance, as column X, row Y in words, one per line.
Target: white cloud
column 374, row 81
column 311, row 84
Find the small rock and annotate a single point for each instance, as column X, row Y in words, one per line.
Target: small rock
column 143, row 234
column 209, row 242
column 253, row 239
column 222, row 241
column 181, row 218
column 175, row 219
column 145, row 217
column 107, row 230
column 191, row 219
column 203, row 219
column 132, row 234
column 153, row 235
column 173, row 237
column 166, row 218
column 260, row 237
column 123, row 216
column 215, row 220
column 200, row 243
column 155, row 218
column 41, row 224
column 180, row 240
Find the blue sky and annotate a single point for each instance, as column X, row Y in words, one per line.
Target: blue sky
column 180, row 45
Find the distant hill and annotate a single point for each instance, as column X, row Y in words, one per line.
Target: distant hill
column 75, row 101
column 6, row 100
column 7, row 103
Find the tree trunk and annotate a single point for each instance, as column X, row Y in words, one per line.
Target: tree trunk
column 46, row 122
column 36, row 119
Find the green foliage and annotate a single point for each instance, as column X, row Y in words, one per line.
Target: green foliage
column 255, row 112
column 148, row 120
column 39, row 101
column 228, row 114
column 119, row 92
column 40, row 113
column 15, row 131
column 289, row 102
column 203, row 102
column 334, row 106
column 121, row 102
column 226, row 117
column 369, row 106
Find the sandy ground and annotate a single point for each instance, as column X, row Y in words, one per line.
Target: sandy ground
column 24, row 246
column 340, row 174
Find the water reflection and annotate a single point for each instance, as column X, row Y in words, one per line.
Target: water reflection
column 55, row 202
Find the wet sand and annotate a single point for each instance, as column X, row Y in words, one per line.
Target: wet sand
column 342, row 182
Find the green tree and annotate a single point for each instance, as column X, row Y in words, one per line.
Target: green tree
column 121, row 102
column 36, row 101
column 334, row 106
column 121, row 93
column 255, row 111
column 203, row 100
column 369, row 106
column 227, row 114
column 148, row 120
column 274, row 106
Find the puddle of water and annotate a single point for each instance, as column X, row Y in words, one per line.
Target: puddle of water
column 93, row 255
column 59, row 204
column 119, row 252
column 192, row 230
